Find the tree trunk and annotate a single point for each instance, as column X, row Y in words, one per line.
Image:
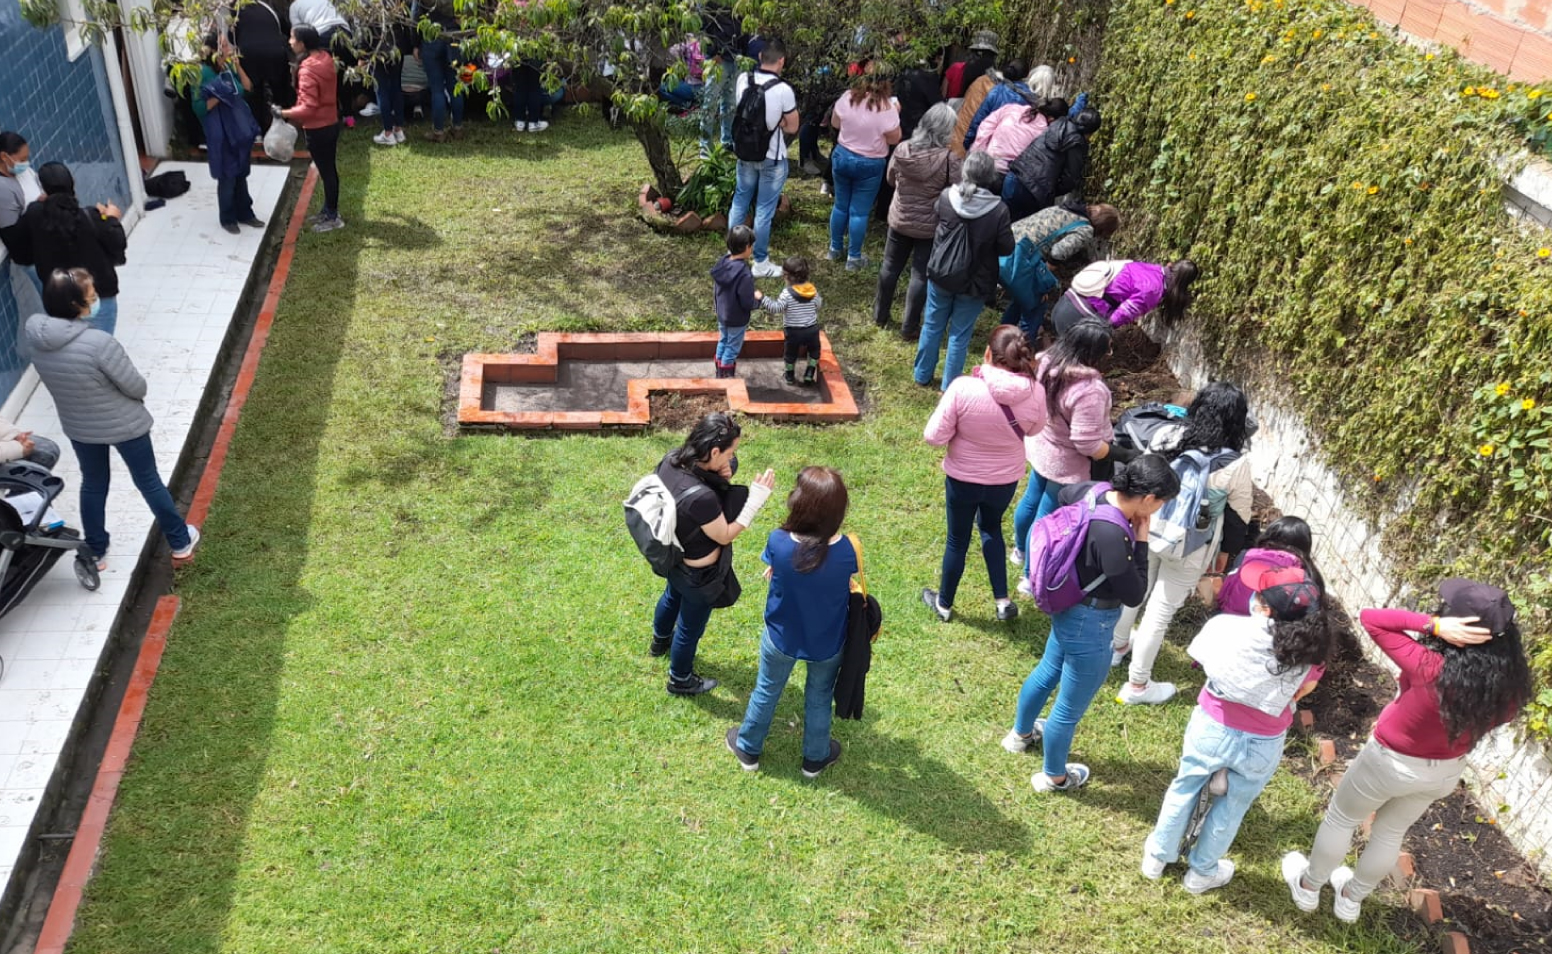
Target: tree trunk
column 660, row 156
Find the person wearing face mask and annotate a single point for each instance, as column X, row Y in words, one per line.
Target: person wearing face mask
column 18, row 187
column 101, row 401
column 58, row 234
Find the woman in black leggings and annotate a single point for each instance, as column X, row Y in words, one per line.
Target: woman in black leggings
column 317, row 112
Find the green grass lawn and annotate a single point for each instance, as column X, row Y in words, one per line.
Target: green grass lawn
column 408, row 706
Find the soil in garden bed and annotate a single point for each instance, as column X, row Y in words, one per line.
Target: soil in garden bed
column 672, row 411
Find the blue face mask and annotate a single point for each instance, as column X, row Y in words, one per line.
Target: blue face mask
column 20, row 168
column 96, row 307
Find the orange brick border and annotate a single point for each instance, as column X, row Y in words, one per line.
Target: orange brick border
column 543, row 366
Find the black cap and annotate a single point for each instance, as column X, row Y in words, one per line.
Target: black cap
column 1489, row 604
column 1291, row 601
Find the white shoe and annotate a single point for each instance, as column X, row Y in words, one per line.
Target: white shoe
column 1026, row 587
column 1155, row 693
column 188, row 551
column 539, row 126
column 1016, row 743
column 766, row 269
column 399, row 137
column 1077, row 777
column 520, row 126
column 1152, row 868
column 1117, row 656
column 1294, row 866
column 1016, row 557
column 384, row 139
column 1345, row 909
column 1196, row 884
column 370, row 110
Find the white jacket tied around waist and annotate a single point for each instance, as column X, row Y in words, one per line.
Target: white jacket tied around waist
column 1236, row 654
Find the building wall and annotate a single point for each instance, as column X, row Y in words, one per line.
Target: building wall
column 65, row 110
column 1513, row 37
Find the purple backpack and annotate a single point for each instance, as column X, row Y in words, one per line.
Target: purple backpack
column 1054, row 544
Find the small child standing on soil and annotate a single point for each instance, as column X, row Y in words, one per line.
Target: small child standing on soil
column 735, row 296
column 799, row 304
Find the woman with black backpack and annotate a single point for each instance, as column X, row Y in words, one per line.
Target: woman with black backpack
column 1196, row 535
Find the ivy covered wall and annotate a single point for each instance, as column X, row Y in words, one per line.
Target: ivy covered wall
column 1341, row 191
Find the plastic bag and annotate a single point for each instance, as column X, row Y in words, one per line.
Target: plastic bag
column 280, row 141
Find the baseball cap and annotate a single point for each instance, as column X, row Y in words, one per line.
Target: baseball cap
column 1489, row 604
column 1286, row 592
column 984, row 40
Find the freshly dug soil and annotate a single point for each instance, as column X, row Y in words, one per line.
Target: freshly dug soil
column 672, row 411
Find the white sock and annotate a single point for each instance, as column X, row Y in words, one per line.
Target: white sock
column 1003, row 604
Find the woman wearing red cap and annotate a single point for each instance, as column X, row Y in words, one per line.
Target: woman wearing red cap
column 1257, row 667
column 1458, row 682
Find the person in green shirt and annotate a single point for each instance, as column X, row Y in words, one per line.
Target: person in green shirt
column 230, row 130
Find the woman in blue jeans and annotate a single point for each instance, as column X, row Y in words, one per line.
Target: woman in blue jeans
column 1077, row 653
column 101, row 402
column 810, row 566
column 867, row 123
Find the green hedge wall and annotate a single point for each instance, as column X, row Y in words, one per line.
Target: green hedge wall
column 1339, row 189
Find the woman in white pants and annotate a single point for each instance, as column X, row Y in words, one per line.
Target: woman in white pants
column 1458, row 682
column 1216, row 433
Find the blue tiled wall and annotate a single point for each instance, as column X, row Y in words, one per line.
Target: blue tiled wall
column 65, row 110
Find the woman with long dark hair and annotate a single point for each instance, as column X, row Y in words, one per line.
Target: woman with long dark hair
column 1113, row 569
column 58, row 235
column 982, row 420
column 1187, row 545
column 867, row 124
column 1122, row 292
column 1463, row 674
column 809, row 565
column 710, row 514
column 1286, row 542
column 317, row 113
column 1258, row 667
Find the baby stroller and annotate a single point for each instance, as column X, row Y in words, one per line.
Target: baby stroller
column 30, row 546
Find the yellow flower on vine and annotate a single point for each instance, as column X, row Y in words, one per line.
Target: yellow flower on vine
column 1374, row 190
column 1501, row 389
column 1486, row 450
column 1269, row 58
column 1428, row 56
column 1374, row 36
column 1190, row 14
column 1357, row 185
column 1250, row 97
column 1326, row 87
column 1533, row 94
column 1529, row 404
column 1318, row 34
column 1544, row 253
column 1488, row 93
column 1469, row 91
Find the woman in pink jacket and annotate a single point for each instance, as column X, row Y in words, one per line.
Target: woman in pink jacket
column 317, row 112
column 1122, row 291
column 983, row 418
column 1010, row 129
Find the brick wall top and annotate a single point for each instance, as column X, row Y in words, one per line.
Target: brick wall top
column 1513, row 37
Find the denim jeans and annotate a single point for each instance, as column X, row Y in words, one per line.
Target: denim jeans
column 390, row 93
column 1020, row 201
column 717, row 101
column 1209, row 746
column 107, row 315
column 685, row 617
column 233, row 201
column 730, row 342
column 1029, row 320
column 140, row 458
column 682, row 95
column 974, row 505
column 898, row 249
column 818, row 700
column 857, row 181
column 1039, row 499
column 1076, row 658
column 759, row 186
column 956, row 314
column 442, row 79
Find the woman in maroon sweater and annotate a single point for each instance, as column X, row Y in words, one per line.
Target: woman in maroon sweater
column 1457, row 683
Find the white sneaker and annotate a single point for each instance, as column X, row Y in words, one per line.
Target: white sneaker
column 1117, row 656
column 399, row 137
column 520, row 126
column 1152, row 868
column 1016, row 557
column 1196, row 884
column 188, row 551
column 1155, row 693
column 539, row 126
column 1016, row 743
column 370, row 110
column 1294, row 866
column 766, row 269
column 384, row 139
column 1026, row 587
column 1345, row 909
column 1077, row 777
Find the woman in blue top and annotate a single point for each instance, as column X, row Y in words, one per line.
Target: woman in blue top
column 810, row 571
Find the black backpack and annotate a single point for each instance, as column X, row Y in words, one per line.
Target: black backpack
column 953, row 259
column 751, row 137
column 168, row 185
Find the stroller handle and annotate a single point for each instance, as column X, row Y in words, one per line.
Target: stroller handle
column 26, row 476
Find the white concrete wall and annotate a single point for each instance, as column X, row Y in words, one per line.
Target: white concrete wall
column 1349, row 549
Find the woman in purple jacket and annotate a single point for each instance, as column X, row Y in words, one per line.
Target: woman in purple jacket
column 1123, row 291
column 982, row 419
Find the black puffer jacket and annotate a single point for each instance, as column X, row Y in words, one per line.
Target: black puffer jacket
column 1053, row 164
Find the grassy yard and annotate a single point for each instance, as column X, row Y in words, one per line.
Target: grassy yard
column 408, row 707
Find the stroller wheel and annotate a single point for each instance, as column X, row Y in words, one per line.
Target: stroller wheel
column 86, row 570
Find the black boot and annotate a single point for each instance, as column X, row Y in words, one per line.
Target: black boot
column 692, row 686
column 660, row 645
column 813, row 369
column 789, row 376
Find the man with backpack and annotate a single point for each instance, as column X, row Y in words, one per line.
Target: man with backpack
column 767, row 110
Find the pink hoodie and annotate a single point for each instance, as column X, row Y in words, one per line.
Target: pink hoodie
column 1005, row 134
column 983, row 448
column 1079, row 426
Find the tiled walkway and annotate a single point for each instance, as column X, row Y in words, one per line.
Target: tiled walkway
column 178, row 295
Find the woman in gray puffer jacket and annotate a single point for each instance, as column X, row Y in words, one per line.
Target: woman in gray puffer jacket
column 101, row 402
column 919, row 171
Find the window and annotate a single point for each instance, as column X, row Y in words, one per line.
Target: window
column 72, row 14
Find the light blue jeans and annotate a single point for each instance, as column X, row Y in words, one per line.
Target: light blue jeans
column 949, row 312
column 857, row 181
column 1039, row 499
column 1077, row 659
column 818, row 701
column 717, row 102
column 759, row 185
column 729, row 343
column 1209, row 745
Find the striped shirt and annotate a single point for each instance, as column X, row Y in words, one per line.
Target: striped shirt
column 798, row 312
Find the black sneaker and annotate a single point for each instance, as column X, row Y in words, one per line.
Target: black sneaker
column 750, row 763
column 812, row 769
column 693, row 686
column 930, row 597
column 1009, row 612
column 808, row 376
column 660, row 645
column 789, row 377
column 253, row 222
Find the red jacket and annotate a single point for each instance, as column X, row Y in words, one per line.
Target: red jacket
column 316, row 103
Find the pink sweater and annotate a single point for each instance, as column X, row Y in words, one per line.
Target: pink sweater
column 1078, row 427
column 1005, row 134
column 983, row 448
column 316, row 103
